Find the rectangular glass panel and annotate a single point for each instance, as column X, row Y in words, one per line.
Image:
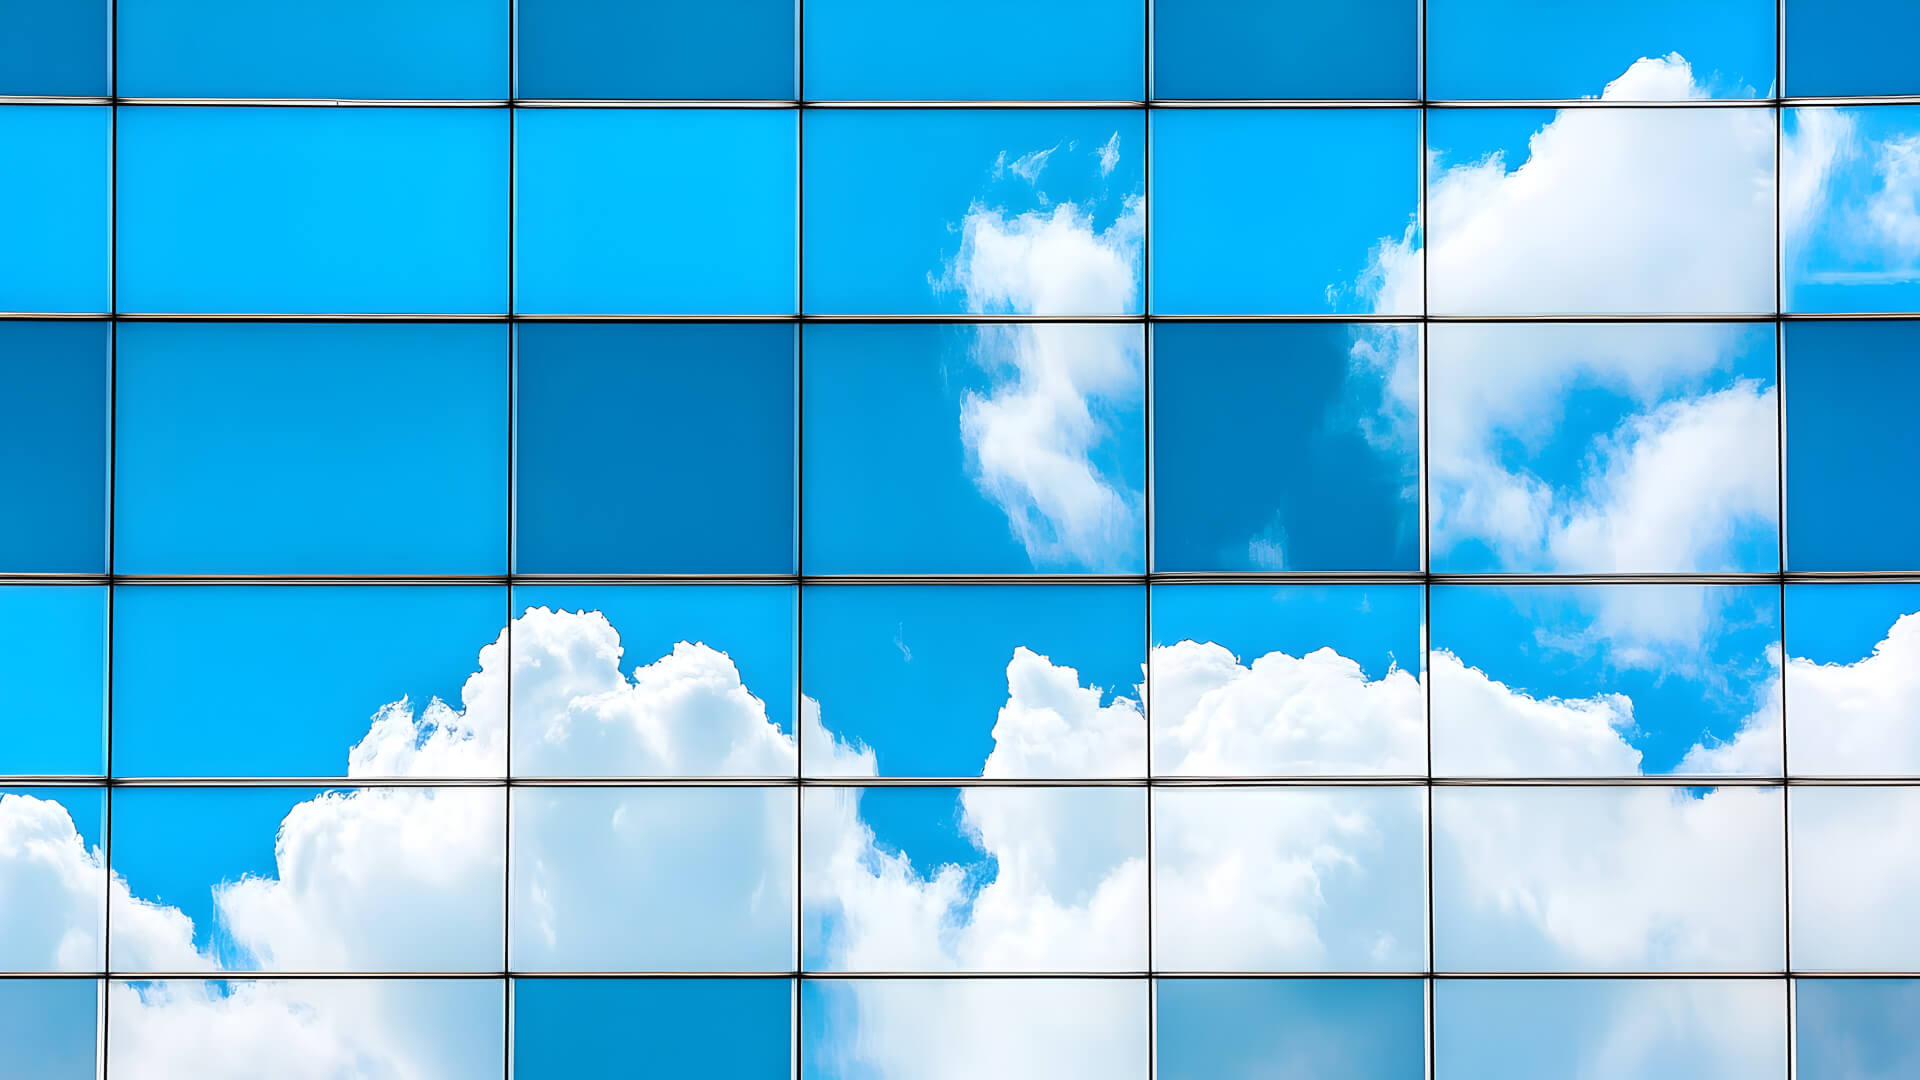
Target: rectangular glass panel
column 56, row 47
column 1853, row 404
column 49, row 1027
column 56, row 187
column 1854, row 1029
column 1292, row 49
column 53, row 680
column 1853, row 679
column 1851, row 47
column 1850, row 208
column 1856, row 868
column 53, row 446
column 710, row 52
column 730, row 1029
column 53, row 882
column 1303, row 1029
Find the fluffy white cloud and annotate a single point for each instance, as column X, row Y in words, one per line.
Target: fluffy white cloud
column 1861, row 718
column 1894, row 209
column 1482, row 727
column 1856, row 870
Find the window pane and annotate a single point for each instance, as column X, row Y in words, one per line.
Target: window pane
column 1855, row 1029
column 1290, row 879
column 1850, row 208
column 312, row 210
column 309, row 49
column 56, row 182
column 1856, row 868
column 708, row 409
column 729, row 1029
column 1515, row 49
column 1306, row 1029
column 1238, row 407
column 653, row 879
column 288, row 448
column 53, row 678
column 301, row 879
column 53, row 885
column 1853, row 403
column 1532, row 211
column 1603, row 448
column 53, row 446
column 55, row 47
column 1029, row 211
column 1853, row 679
column 1606, row 680
column 1288, row 680
column 1615, row 879
column 937, row 50
column 602, row 228
column 974, row 879
column 1837, row 47
column 1229, row 191
column 50, row 1027
column 712, row 51
column 397, row 687
column 1255, row 49
column 653, row 680
column 981, row 449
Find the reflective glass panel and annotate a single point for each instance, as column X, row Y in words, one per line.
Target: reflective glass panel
column 53, row 882
column 1851, row 47
column 56, row 47
column 57, row 186
column 1292, row 49
column 53, row 446
column 1853, row 679
column 736, row 1029
column 657, row 49
column 1853, row 404
column 1856, row 868
column 1308, row 1029
column 1855, row 1029
column 1850, row 208
column 50, row 1027
column 53, row 667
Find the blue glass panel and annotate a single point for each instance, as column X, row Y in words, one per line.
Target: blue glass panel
column 655, row 49
column 313, row 49
column 371, row 449
column 1852, row 650
column 1291, row 49
column 55, row 185
column 1855, row 857
column 49, row 1027
column 1856, row 1029
column 55, row 47
column 966, row 50
column 603, row 228
column 1850, row 208
column 1852, row 47
column 52, row 891
column 1853, row 404
column 53, row 680
column 53, row 446
column 1307, row 1029
column 622, row 431
column 312, row 210
column 728, row 1029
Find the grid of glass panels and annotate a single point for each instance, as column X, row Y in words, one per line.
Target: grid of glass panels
column 1063, row 539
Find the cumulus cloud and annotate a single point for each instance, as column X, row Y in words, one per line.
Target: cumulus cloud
column 1856, row 869
column 1860, row 718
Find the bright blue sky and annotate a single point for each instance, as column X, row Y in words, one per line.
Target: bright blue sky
column 53, row 446
column 619, row 428
column 202, row 672
column 48, row 1027
column 289, row 448
column 1848, row 256
column 1358, row 1029
column 1550, row 641
column 919, row 673
column 938, row 50
column 1233, row 187
column 1852, row 47
column 602, row 228
column 54, row 681
column 54, row 48
column 1260, row 49
column 1505, row 49
column 886, row 481
column 722, row 1028
column 1376, row 626
column 1856, row 1029
column 353, row 210
column 1830, row 623
column 752, row 624
column 1844, row 446
column 57, row 164
column 593, row 49
column 1237, row 408
column 882, row 228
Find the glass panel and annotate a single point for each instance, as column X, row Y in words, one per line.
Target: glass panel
column 1651, row 1029
column 1532, row 211
column 1602, row 448
column 56, row 47
column 714, row 401
column 1851, row 47
column 312, row 49
column 1511, row 49
column 941, row 50
column 53, row 679
column 1292, row 49
column 1853, row 679
column 974, row 879
column 602, row 228
column 983, row 449
column 50, row 1027
column 1030, row 211
column 301, row 879
column 312, row 210
column 653, row 680
column 398, row 687
column 1288, row 680
column 1606, row 680
column 714, row 51
column 1029, row 681
column 729, row 1029
column 1608, row 879
column 1853, row 403
column 1850, row 208
column 1290, row 879
column 1303, row 1029
column 1856, row 868
column 288, row 448
column 1855, row 1029
column 53, row 446
column 1237, row 408
column 53, row 887
column 1337, row 190
column 56, row 186
column 1070, row 1029
column 653, row 879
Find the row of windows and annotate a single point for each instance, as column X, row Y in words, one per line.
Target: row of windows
column 875, row 50
column 280, row 448
column 176, row 209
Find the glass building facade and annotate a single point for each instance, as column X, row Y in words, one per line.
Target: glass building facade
column 882, row 540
